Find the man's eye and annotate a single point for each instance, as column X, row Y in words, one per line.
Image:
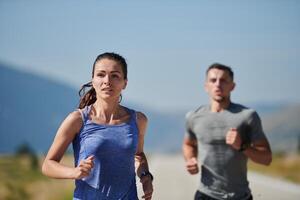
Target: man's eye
column 225, row 81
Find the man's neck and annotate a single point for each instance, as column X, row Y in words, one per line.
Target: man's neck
column 219, row 106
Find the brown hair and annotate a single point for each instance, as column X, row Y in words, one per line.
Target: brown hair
column 221, row 67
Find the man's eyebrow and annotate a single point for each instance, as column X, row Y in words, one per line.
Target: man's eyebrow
column 116, row 71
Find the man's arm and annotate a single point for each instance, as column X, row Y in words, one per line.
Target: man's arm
column 190, row 154
column 259, row 152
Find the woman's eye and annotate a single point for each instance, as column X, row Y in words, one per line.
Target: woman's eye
column 100, row 75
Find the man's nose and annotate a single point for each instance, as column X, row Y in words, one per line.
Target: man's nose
column 218, row 83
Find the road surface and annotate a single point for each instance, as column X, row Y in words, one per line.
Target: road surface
column 172, row 182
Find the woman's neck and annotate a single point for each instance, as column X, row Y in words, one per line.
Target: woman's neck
column 105, row 110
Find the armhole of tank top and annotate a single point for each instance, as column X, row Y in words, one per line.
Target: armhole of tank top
column 134, row 125
column 82, row 118
column 132, row 115
column 135, row 117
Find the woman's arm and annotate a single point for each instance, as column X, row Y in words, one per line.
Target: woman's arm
column 51, row 166
column 141, row 163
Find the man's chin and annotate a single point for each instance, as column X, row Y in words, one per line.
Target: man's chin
column 220, row 99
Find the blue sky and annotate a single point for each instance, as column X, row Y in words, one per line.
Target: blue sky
column 168, row 45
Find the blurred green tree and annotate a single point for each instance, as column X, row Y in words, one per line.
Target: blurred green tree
column 298, row 147
column 26, row 150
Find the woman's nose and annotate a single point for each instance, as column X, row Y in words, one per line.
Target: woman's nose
column 106, row 79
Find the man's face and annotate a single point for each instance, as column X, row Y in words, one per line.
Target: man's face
column 219, row 85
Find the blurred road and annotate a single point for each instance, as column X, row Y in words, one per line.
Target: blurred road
column 173, row 182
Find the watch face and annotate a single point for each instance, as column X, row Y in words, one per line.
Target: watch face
column 244, row 146
column 147, row 173
column 144, row 173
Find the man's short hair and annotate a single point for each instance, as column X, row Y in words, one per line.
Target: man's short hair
column 220, row 67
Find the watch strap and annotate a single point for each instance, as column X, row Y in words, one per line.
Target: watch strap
column 147, row 173
column 244, row 146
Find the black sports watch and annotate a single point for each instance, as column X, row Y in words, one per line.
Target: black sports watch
column 244, row 146
column 147, row 173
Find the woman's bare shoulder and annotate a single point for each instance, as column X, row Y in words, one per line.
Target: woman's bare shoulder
column 141, row 117
column 73, row 121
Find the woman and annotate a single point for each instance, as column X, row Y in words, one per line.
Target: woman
column 107, row 138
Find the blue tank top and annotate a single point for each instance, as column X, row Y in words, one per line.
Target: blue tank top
column 114, row 147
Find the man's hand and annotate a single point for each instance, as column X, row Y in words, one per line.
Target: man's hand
column 233, row 138
column 192, row 166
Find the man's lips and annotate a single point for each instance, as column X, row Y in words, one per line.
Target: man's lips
column 218, row 92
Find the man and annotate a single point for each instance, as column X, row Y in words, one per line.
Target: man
column 225, row 135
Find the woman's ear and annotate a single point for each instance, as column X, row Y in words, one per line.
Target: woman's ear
column 125, row 84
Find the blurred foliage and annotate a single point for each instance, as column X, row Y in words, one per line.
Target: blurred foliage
column 21, row 178
column 286, row 166
column 298, row 146
column 24, row 150
column 15, row 173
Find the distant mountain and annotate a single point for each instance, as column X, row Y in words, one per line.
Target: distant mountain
column 283, row 129
column 268, row 108
column 32, row 108
column 280, row 123
column 165, row 131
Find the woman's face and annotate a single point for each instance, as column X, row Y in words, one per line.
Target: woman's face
column 108, row 79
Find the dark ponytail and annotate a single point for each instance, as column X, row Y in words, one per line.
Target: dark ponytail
column 87, row 98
